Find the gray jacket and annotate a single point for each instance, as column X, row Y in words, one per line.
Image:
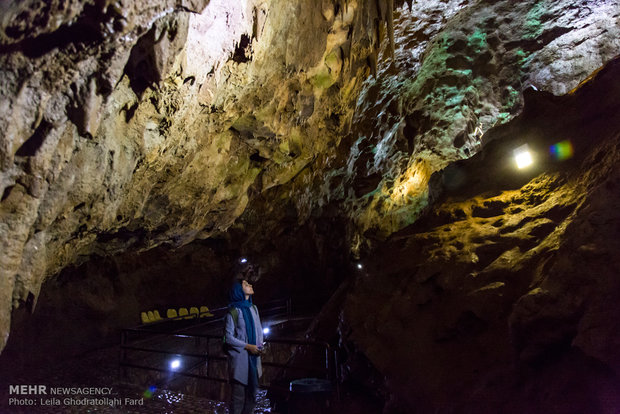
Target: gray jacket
column 236, row 339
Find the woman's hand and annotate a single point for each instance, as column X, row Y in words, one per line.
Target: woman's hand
column 252, row 349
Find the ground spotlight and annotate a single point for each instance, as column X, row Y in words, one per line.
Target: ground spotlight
column 360, row 266
column 243, row 260
column 175, row 364
column 523, row 157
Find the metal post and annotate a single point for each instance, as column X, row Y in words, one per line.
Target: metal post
column 336, row 375
column 122, row 371
column 207, row 357
column 327, row 362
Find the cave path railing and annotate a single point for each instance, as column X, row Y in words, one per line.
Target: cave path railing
column 197, row 345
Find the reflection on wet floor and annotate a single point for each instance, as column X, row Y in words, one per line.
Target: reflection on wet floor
column 176, row 403
column 171, row 402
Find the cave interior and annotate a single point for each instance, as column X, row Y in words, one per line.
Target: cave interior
column 434, row 184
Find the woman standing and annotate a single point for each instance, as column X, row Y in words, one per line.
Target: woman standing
column 244, row 339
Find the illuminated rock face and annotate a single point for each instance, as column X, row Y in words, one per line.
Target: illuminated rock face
column 504, row 295
column 157, row 124
column 130, row 128
column 458, row 71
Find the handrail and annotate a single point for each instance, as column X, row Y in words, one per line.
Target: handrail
column 130, row 346
column 306, row 342
column 176, row 335
column 293, row 367
column 207, row 357
column 186, row 374
column 161, row 351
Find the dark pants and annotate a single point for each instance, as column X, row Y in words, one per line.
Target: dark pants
column 243, row 398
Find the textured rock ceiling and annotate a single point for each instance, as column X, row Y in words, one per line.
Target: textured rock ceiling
column 116, row 137
column 131, row 125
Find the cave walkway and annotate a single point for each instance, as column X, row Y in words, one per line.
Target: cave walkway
column 164, row 390
column 185, row 356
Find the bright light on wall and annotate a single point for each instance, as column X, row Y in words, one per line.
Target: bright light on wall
column 523, row 157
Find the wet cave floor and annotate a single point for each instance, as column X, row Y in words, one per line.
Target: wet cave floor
column 100, row 369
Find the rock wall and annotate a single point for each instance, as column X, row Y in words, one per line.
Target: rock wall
column 459, row 69
column 503, row 298
column 125, row 128
column 131, row 127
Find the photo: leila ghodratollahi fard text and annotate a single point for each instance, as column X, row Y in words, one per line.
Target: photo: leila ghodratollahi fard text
column 24, row 395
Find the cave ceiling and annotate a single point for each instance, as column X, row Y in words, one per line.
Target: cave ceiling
column 132, row 125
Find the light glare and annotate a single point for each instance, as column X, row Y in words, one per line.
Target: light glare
column 523, row 157
column 175, row 364
column 562, row 150
column 265, row 331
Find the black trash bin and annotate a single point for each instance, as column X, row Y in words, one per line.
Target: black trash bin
column 309, row 396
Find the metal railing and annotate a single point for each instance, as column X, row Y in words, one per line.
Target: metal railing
column 128, row 346
column 147, row 347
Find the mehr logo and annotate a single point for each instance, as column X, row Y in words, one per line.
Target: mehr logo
column 27, row 389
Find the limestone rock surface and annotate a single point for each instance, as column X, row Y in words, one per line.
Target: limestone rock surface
column 323, row 125
column 459, row 69
column 502, row 298
column 132, row 127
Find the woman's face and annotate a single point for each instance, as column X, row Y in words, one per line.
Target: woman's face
column 247, row 288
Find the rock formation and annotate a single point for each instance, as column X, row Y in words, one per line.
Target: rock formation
column 501, row 299
column 330, row 130
column 129, row 127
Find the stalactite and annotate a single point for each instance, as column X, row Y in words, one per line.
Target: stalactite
column 390, row 25
column 345, row 52
column 349, row 48
column 372, row 60
column 254, row 24
column 384, row 13
column 367, row 25
column 381, row 9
